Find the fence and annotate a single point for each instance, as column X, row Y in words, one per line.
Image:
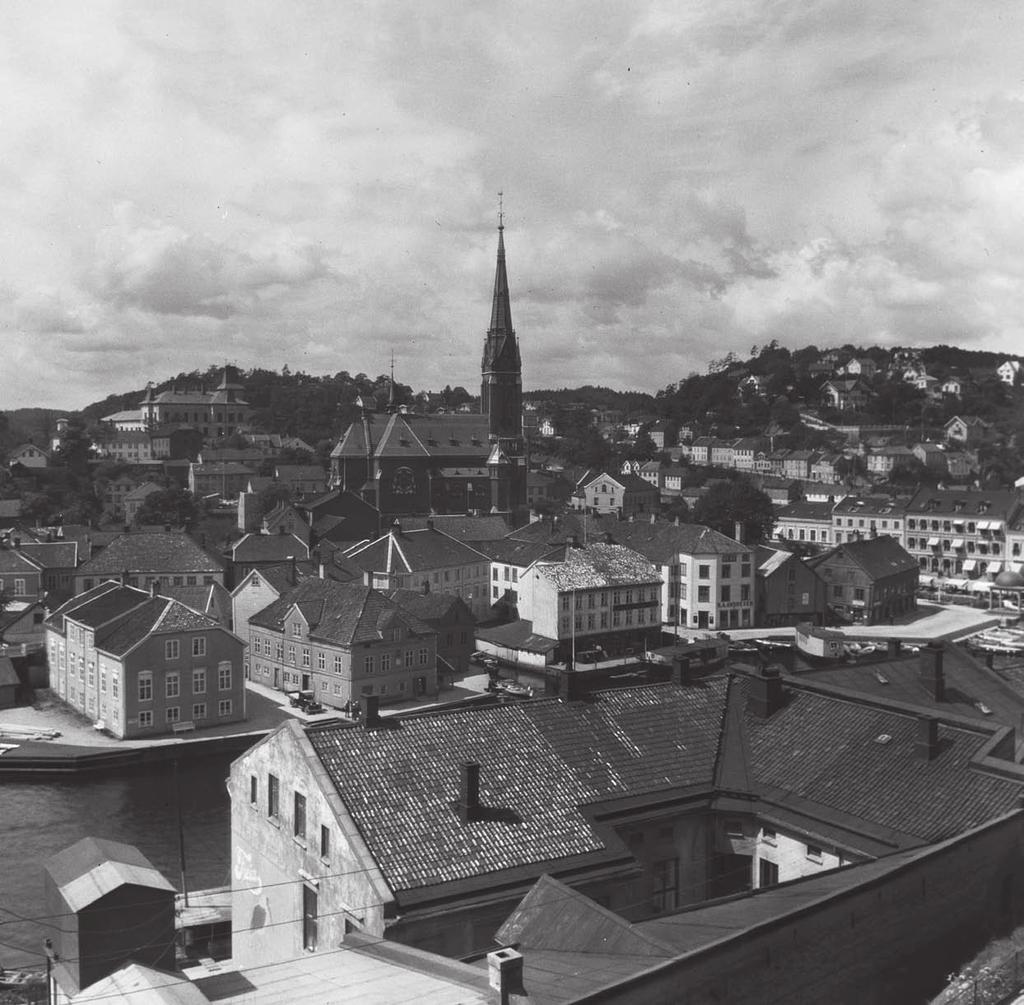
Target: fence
column 997, row 982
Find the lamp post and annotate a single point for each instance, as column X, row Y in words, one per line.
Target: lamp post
column 51, row 958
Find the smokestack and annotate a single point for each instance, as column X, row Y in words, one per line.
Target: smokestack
column 765, row 695
column 505, row 973
column 738, row 531
column 469, row 791
column 371, row 705
column 930, row 672
column 927, row 744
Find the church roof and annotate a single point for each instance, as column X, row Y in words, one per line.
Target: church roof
column 459, row 437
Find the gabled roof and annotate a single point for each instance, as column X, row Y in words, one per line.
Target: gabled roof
column 97, row 606
column 405, row 551
column 93, row 867
column 471, row 529
column 150, row 552
column 14, row 560
column 52, row 554
column 269, row 548
column 157, row 615
column 594, row 566
column 802, row 510
column 342, row 613
column 406, row 435
column 430, row 606
column 879, row 557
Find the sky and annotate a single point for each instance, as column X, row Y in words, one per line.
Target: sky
column 316, row 184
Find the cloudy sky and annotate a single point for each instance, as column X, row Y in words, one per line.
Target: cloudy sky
column 315, row 183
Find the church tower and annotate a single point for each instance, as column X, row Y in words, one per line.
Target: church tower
column 501, row 394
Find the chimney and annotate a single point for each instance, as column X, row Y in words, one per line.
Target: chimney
column 505, row 973
column 737, row 531
column 323, row 571
column 124, row 577
column 893, row 646
column 927, row 744
column 371, row 707
column 573, row 685
column 425, row 586
column 469, row 791
column 765, row 695
column 430, row 523
column 154, row 586
column 367, row 578
column 930, row 672
column 681, row 670
column 17, row 542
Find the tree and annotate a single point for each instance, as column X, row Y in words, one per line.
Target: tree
column 727, row 503
column 174, row 507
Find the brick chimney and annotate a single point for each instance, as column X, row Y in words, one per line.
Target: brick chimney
column 371, row 711
column 505, row 973
column 926, row 745
column 765, row 695
column 573, row 685
column 930, row 672
column 469, row 791
column 681, row 670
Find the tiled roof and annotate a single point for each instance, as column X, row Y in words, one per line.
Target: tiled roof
column 801, row 510
column 157, row 615
column 540, row 762
column 150, row 552
column 301, row 472
column 342, row 613
column 413, row 551
column 878, row 556
column 598, row 565
column 97, row 606
column 471, row 529
column 827, row 751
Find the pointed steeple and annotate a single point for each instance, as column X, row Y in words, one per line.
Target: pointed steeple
column 501, row 308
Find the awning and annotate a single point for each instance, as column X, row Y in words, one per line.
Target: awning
column 970, row 565
column 925, row 579
column 1015, row 566
column 933, row 542
column 956, row 584
column 958, row 543
column 986, row 525
column 958, row 525
column 980, row 586
column 993, row 566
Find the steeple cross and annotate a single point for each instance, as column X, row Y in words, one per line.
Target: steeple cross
column 501, row 212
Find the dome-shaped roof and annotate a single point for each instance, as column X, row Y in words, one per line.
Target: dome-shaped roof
column 1010, row 580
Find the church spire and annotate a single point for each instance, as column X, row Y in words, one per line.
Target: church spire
column 501, row 308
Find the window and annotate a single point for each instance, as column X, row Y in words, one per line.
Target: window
column 172, row 649
column 767, row 873
column 385, row 662
column 296, row 629
column 703, row 594
column 172, row 685
column 172, row 714
column 199, row 680
column 310, row 910
column 254, row 790
column 299, row 816
column 199, row 710
column 224, row 707
column 321, row 660
column 703, row 571
column 814, row 852
column 146, row 717
column 115, row 684
column 199, row 645
column 837, row 591
column 273, row 790
column 734, row 828
column 325, row 841
column 726, row 571
column 224, row 676
column 422, row 657
column 768, row 834
column 305, row 656
column 369, row 664
column 665, row 885
column 409, row 657
column 858, row 593
column 726, row 594
column 279, row 651
column 19, row 587
column 145, row 686
column 337, row 664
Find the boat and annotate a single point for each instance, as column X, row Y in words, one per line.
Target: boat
column 819, row 643
column 514, row 688
column 21, row 980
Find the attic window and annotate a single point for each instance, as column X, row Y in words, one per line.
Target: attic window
column 403, row 441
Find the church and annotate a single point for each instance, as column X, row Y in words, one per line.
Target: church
column 409, row 464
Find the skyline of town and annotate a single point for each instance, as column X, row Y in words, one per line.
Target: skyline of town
column 320, row 188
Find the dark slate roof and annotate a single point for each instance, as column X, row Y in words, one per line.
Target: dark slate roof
column 150, row 552
column 12, row 560
column 517, row 635
column 157, row 615
column 825, row 752
column 521, row 553
column 53, row 554
column 405, row 435
column 472, row 529
column 342, row 613
column 413, row 551
column 269, row 548
column 878, row 556
column 428, row 607
column 97, row 606
column 801, row 510
column 540, row 762
column 870, row 506
column 988, row 504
